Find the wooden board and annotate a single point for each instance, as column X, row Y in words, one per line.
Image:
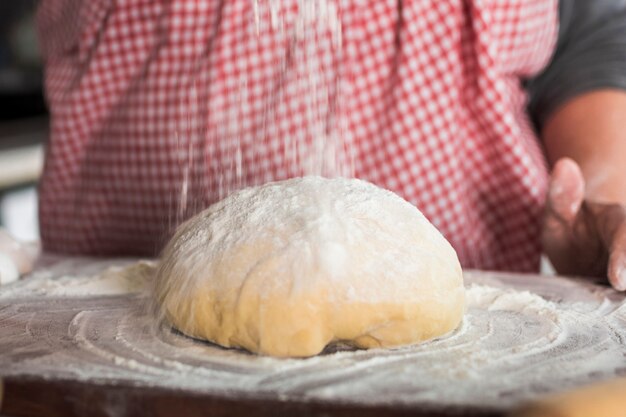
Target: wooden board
column 63, row 352
column 61, row 398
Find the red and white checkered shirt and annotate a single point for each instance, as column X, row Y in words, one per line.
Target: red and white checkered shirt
column 160, row 107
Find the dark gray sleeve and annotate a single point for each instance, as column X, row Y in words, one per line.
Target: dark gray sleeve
column 590, row 54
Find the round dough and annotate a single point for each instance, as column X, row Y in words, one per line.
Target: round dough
column 286, row 268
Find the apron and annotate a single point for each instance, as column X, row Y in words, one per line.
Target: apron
column 161, row 107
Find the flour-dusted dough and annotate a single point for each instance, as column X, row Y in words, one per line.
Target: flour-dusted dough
column 288, row 267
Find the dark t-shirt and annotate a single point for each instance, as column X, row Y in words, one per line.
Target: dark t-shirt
column 590, row 54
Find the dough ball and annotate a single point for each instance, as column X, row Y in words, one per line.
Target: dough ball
column 286, row 268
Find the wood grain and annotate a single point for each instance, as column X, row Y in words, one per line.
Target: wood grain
column 58, row 398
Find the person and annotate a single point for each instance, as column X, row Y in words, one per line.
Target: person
column 159, row 108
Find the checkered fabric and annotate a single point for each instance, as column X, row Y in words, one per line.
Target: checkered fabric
column 161, row 107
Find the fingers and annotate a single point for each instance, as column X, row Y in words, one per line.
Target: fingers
column 22, row 255
column 610, row 221
column 559, row 231
column 617, row 258
column 589, row 239
column 566, row 192
column 617, row 268
column 8, row 270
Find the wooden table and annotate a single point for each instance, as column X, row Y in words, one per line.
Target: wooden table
column 66, row 353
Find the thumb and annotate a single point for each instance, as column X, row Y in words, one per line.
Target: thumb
column 566, row 192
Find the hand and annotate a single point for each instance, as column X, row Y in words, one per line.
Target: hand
column 581, row 236
column 16, row 258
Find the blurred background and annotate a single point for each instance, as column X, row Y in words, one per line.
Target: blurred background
column 23, row 118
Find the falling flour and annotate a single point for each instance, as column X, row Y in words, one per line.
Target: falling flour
column 227, row 142
column 522, row 336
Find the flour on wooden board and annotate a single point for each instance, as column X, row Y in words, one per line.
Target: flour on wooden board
column 119, row 277
column 513, row 344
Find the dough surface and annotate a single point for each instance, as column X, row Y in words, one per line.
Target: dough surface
column 286, row 268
